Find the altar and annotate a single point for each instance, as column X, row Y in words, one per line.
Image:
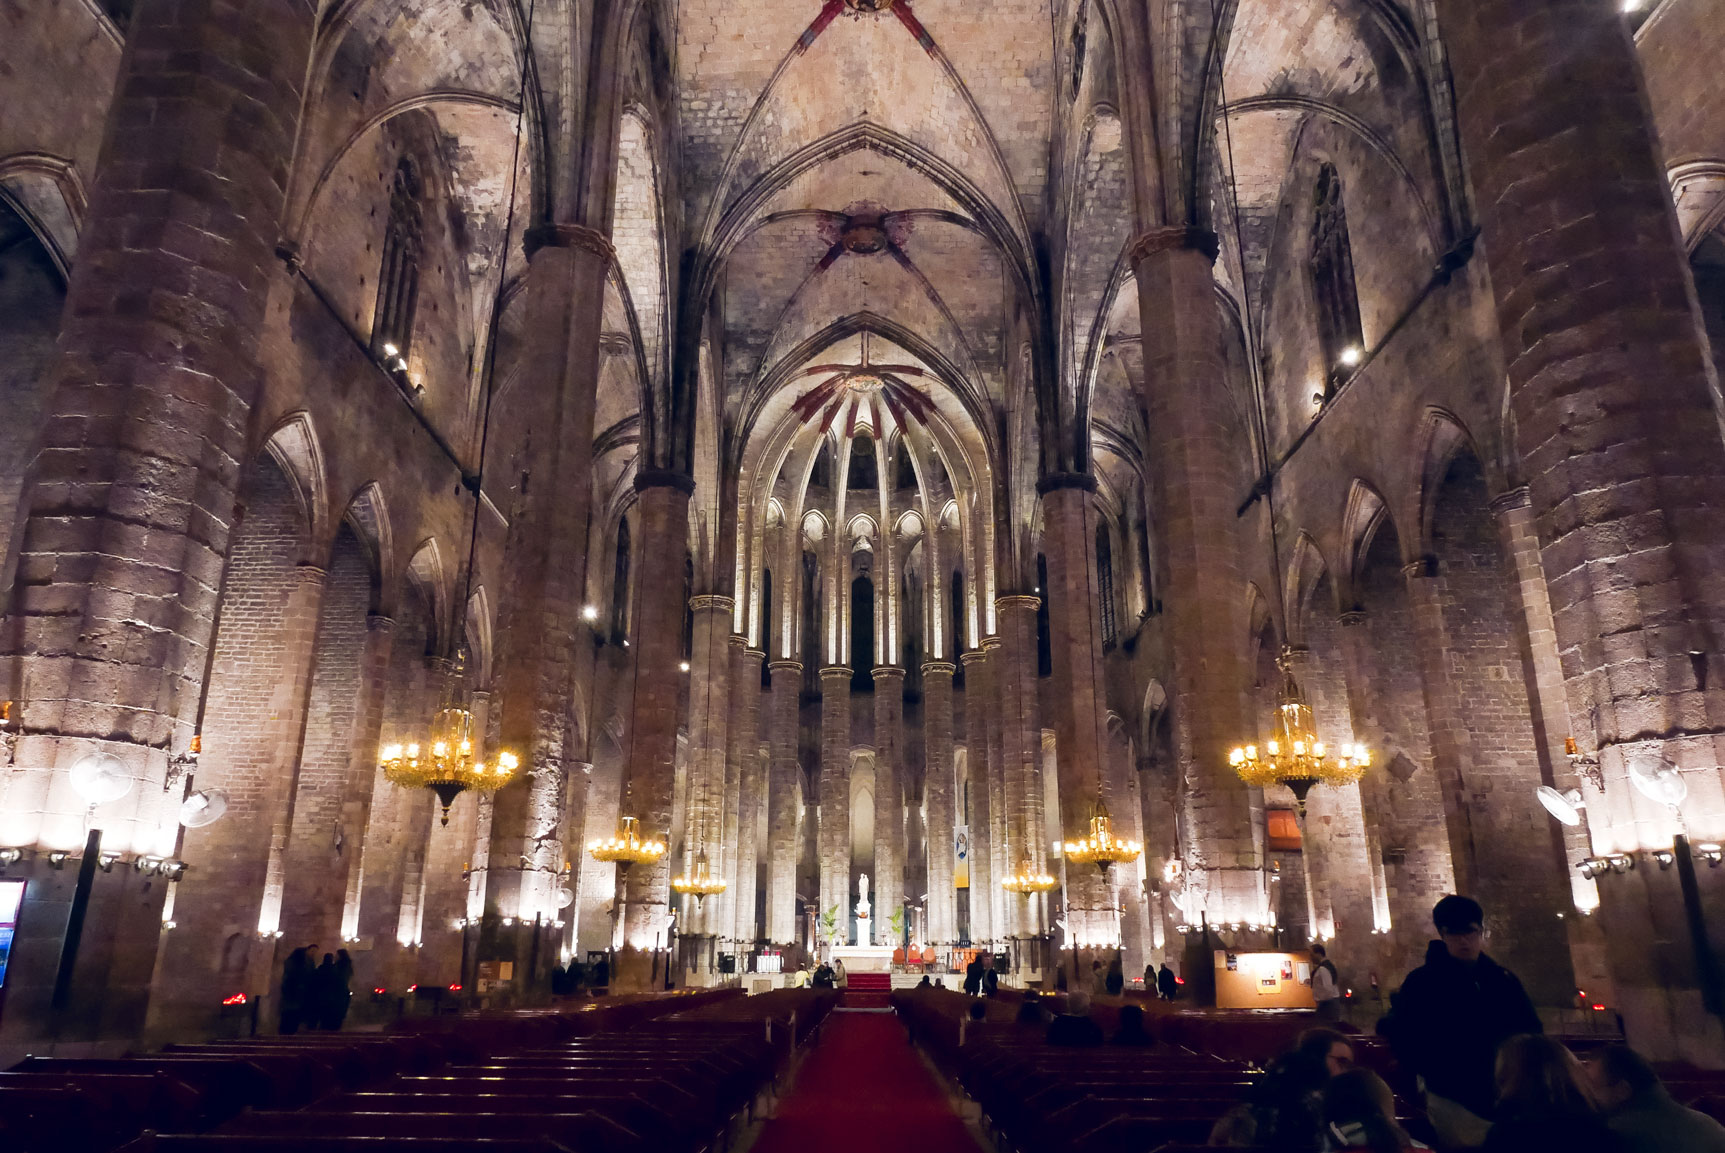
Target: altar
column 864, row 958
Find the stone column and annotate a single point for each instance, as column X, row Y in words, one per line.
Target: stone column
column 130, row 507
column 662, row 506
column 325, row 863
column 888, row 881
column 834, row 795
column 938, row 784
column 992, row 909
column 783, row 798
column 751, row 800
column 1120, row 787
column 1195, row 466
column 542, row 637
column 1080, row 710
column 1021, row 748
column 1616, row 419
column 710, row 699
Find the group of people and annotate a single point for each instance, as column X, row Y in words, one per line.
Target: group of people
column 576, row 977
column 315, row 996
column 1465, row 1029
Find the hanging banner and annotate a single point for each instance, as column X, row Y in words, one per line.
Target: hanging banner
column 961, row 857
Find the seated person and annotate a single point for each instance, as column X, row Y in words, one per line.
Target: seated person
column 1030, row 1009
column 1074, row 1028
column 1639, row 1110
column 1360, row 1113
column 1543, row 1102
column 1132, row 1031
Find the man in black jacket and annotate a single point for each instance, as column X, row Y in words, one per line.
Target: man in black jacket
column 1453, row 1012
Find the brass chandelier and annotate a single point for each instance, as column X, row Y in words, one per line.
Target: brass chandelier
column 444, row 761
column 1295, row 757
column 626, row 846
column 698, row 882
column 1102, row 848
column 1027, row 880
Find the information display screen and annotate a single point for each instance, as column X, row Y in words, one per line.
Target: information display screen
column 11, row 898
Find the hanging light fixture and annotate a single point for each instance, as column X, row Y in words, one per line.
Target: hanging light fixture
column 444, row 763
column 1295, row 757
column 698, row 882
column 626, row 846
column 1027, row 880
column 1102, row 848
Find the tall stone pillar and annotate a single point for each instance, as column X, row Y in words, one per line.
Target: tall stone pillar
column 1616, row 419
column 325, row 862
column 751, row 800
column 662, row 505
column 834, row 796
column 1195, row 464
column 543, row 638
column 1499, row 836
column 710, row 700
column 1120, row 788
column 938, row 785
column 888, row 881
column 783, row 799
column 1021, row 748
column 992, row 909
column 130, row 508
column 1080, row 709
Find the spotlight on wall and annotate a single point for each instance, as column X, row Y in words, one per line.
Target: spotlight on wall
column 1663, row 858
column 1350, row 356
column 13, row 856
column 1621, row 862
column 589, row 613
column 1628, row 7
column 682, row 666
column 1710, row 853
column 105, row 862
column 1594, row 867
column 389, row 349
column 57, row 859
column 1565, row 806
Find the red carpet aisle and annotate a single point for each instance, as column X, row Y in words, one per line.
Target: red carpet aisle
column 865, row 1090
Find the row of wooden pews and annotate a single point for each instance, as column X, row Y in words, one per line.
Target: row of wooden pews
column 615, row 1075
column 1072, row 1100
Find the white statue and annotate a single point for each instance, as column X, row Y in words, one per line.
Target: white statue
column 862, row 907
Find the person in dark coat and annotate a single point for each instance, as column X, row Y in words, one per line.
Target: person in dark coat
column 1114, row 982
column 1451, row 1015
column 1167, row 985
column 990, row 982
column 1132, row 1031
column 341, row 995
column 1074, row 1028
column 1543, row 1102
column 1640, row 1110
column 973, row 977
column 326, row 989
column 296, row 990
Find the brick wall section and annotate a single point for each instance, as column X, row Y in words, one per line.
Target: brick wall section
column 319, row 853
column 1517, row 863
column 132, row 505
column 1615, row 409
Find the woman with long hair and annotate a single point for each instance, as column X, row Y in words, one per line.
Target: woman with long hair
column 1360, row 1113
column 1543, row 1101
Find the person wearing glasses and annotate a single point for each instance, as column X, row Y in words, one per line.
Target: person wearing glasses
column 1449, row 1018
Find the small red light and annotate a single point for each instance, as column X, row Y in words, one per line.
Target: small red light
column 236, row 999
column 1179, row 980
column 455, row 988
column 1599, row 1007
column 380, row 991
column 413, row 988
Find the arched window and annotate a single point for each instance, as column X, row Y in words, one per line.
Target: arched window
column 767, row 628
column 1044, row 641
column 864, row 472
column 1339, row 333
column 906, row 477
column 822, row 475
column 620, row 586
column 862, row 635
column 955, row 626
column 398, row 276
column 1105, row 586
column 910, row 658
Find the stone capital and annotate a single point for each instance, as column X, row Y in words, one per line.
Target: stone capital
column 1056, row 481
column 977, row 656
column 1421, row 568
column 738, row 641
column 664, row 478
column 755, row 655
column 888, row 671
column 378, row 623
column 711, row 602
column 1172, row 238
column 938, row 668
column 990, row 642
column 786, row 665
column 833, row 672
column 1513, row 499
column 577, row 236
column 1018, row 601
column 310, row 574
column 1353, row 618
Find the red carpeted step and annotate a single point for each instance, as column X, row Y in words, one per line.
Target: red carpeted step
column 869, row 982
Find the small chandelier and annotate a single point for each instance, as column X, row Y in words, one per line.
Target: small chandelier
column 1295, row 757
column 444, row 762
column 626, row 847
column 699, row 882
column 1028, row 881
column 1102, row 848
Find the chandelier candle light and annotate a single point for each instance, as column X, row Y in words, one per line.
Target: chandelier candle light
column 698, row 882
column 626, row 847
column 1295, row 757
column 1028, row 881
column 1102, row 848
column 444, row 763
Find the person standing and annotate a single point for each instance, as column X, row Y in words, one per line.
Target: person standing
column 973, row 976
column 296, row 990
column 1114, row 983
column 340, row 992
column 1167, row 985
column 1449, row 1018
column 1326, row 985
